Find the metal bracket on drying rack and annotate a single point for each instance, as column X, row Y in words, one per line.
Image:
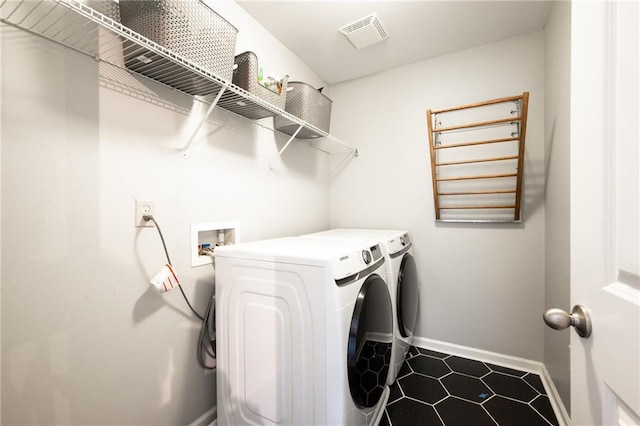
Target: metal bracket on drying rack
column 518, row 112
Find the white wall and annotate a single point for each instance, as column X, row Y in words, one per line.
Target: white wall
column 481, row 285
column 0, row 232
column 557, row 76
column 84, row 338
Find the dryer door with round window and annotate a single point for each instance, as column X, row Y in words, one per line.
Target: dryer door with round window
column 369, row 346
column 407, row 296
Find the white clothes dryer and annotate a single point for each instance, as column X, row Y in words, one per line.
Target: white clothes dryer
column 302, row 328
column 403, row 281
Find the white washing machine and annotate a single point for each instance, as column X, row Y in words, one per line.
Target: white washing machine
column 403, row 281
column 303, row 326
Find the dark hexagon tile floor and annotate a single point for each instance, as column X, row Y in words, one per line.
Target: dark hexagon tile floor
column 435, row 388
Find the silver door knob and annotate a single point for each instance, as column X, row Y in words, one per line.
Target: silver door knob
column 579, row 320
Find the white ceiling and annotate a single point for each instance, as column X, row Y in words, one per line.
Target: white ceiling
column 417, row 30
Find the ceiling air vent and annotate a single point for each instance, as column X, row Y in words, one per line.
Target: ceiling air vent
column 365, row 32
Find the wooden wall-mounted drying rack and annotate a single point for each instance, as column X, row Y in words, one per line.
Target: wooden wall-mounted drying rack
column 477, row 159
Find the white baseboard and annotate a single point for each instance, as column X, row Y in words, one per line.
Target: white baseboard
column 479, row 354
column 208, row 418
column 554, row 398
column 508, row 361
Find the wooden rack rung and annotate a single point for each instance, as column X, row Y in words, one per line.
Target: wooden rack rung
column 497, row 191
column 481, row 160
column 477, row 207
column 478, row 124
column 458, row 145
column 478, row 104
column 497, row 176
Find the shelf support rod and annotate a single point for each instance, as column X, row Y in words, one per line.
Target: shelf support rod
column 345, row 145
column 205, row 117
column 286, row 145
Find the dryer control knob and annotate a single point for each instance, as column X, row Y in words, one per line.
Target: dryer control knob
column 366, row 256
column 402, row 241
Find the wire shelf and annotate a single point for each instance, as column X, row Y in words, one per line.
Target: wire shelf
column 84, row 29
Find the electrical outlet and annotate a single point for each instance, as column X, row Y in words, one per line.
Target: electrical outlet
column 143, row 208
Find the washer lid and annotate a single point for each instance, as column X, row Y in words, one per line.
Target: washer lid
column 357, row 233
column 345, row 257
column 395, row 240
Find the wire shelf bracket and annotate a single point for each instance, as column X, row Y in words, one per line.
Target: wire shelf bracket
column 203, row 120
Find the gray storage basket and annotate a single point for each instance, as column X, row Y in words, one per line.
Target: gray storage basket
column 245, row 76
column 109, row 8
column 308, row 104
column 188, row 28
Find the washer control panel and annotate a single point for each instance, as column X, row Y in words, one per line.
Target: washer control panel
column 354, row 262
column 398, row 243
column 376, row 253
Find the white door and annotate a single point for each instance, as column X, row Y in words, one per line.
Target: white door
column 605, row 211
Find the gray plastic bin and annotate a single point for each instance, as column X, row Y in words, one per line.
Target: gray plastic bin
column 188, row 28
column 109, row 8
column 245, row 75
column 308, row 104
